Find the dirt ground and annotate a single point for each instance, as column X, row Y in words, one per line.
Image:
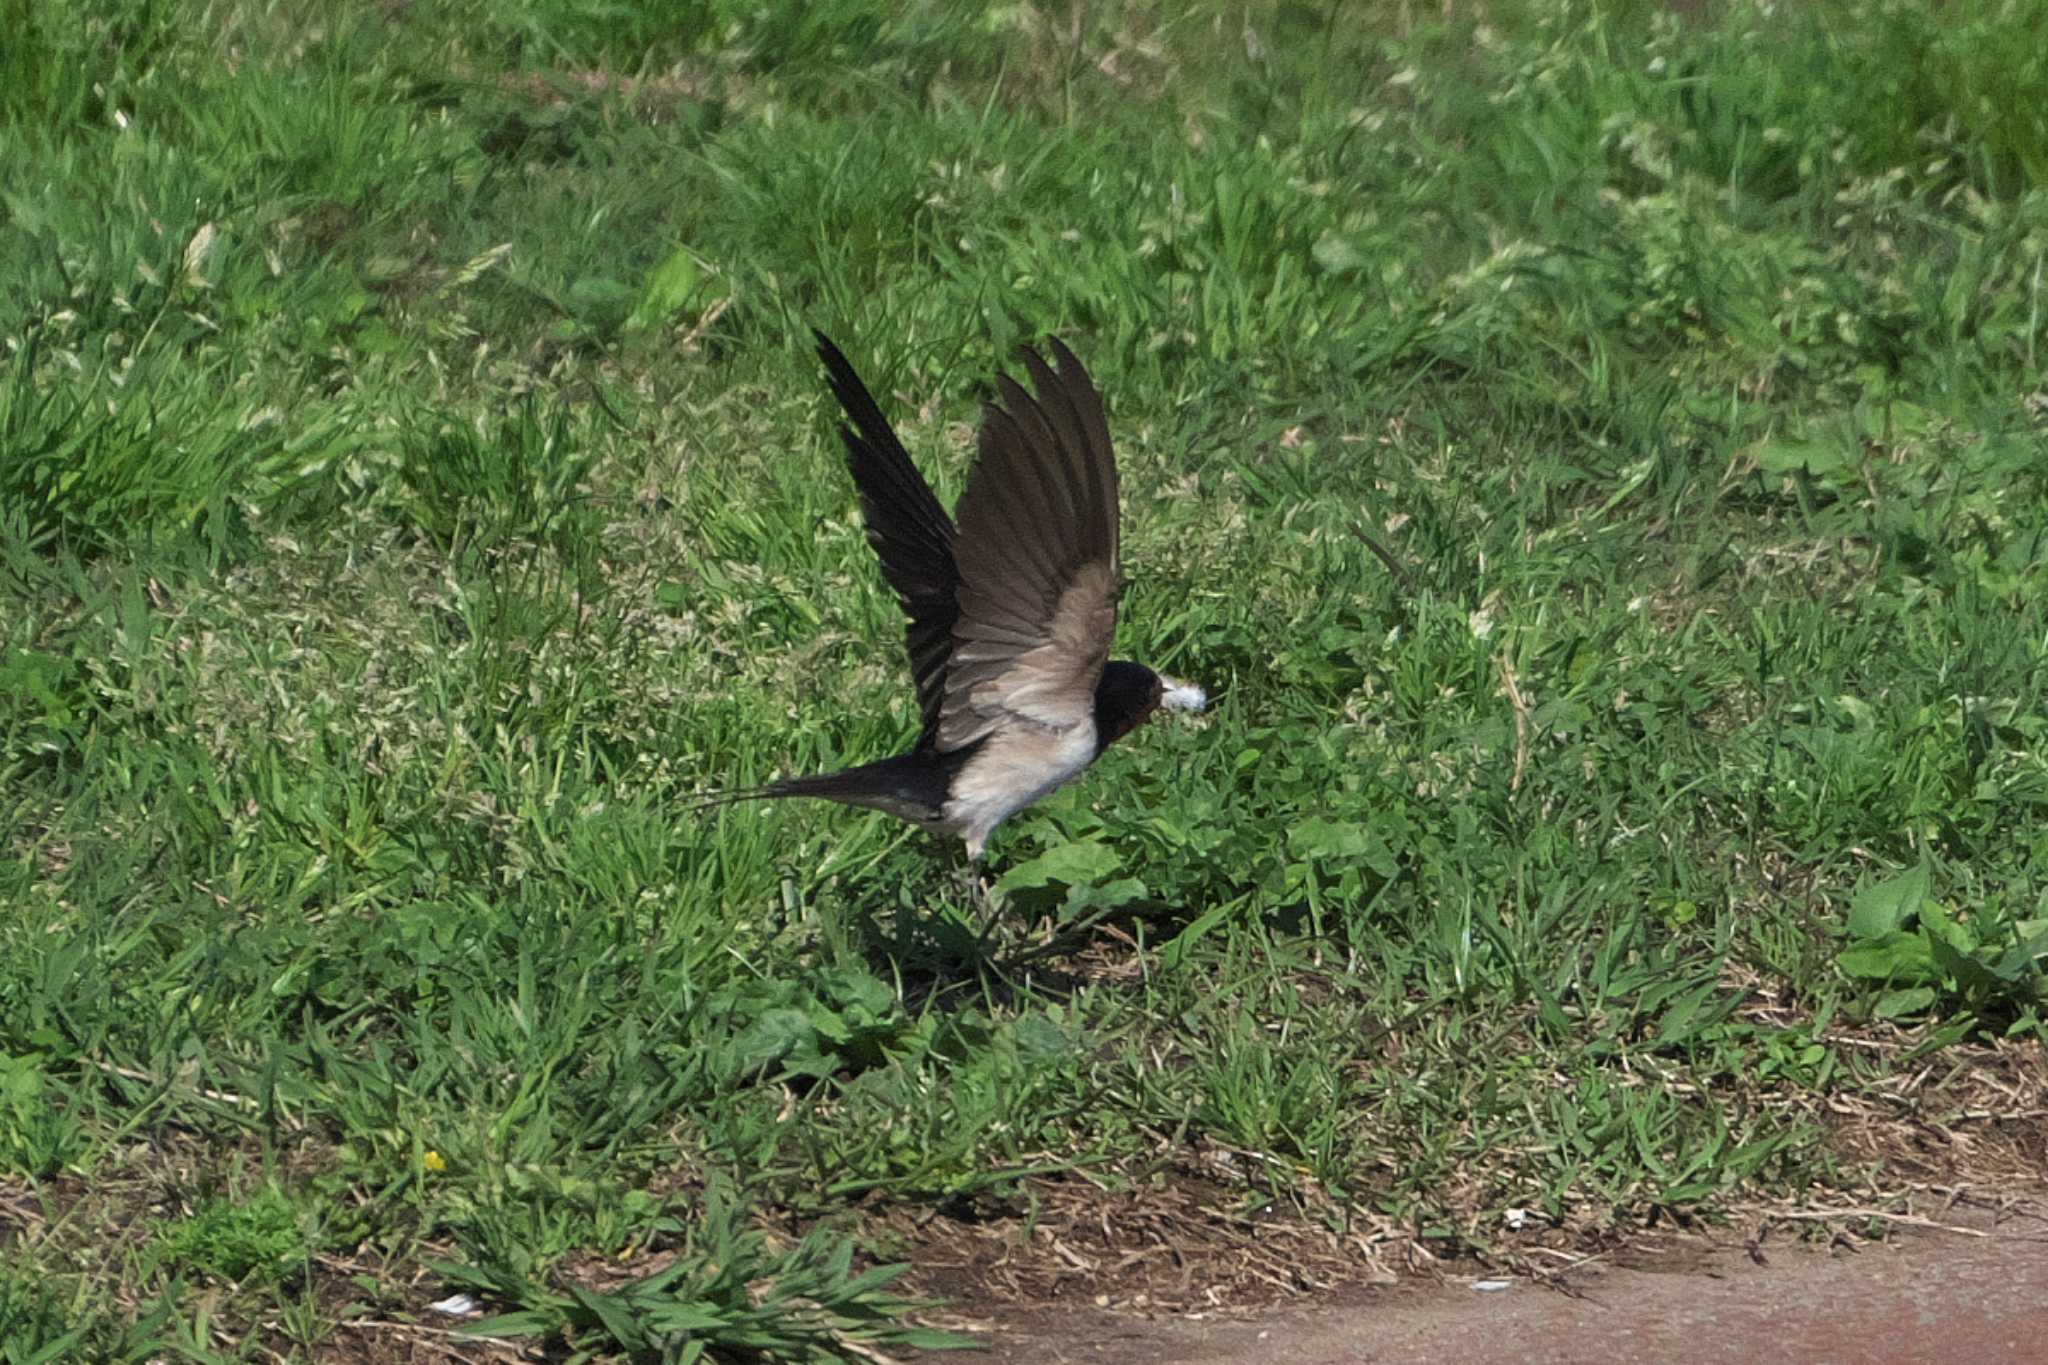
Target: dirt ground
column 1935, row 1249
column 1970, row 1286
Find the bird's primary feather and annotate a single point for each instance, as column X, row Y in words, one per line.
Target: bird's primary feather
column 911, row 534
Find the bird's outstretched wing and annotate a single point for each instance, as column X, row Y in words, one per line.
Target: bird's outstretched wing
column 1037, row 559
column 910, row 532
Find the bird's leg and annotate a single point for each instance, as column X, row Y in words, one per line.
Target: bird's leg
column 979, row 889
column 981, row 892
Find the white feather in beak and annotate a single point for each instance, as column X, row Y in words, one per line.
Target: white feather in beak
column 1182, row 696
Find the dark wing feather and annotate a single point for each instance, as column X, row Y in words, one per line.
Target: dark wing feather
column 910, row 532
column 1037, row 556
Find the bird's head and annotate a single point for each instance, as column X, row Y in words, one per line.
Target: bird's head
column 1129, row 694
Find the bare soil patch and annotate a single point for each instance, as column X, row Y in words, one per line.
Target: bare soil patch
column 1975, row 1287
column 1931, row 1158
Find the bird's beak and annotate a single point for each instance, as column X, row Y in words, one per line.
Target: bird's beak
column 1182, row 696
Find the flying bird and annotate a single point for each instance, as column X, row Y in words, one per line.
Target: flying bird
column 1011, row 611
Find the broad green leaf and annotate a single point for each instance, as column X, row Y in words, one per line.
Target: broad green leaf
column 613, row 1314
column 1040, row 1039
column 2022, row 956
column 1815, row 457
column 773, row 1036
column 1315, row 838
column 1901, row 1003
column 1319, row 838
column 598, row 301
column 1102, row 896
column 1971, row 976
column 1891, row 958
column 1078, row 864
column 667, row 288
column 1878, row 908
column 524, row 1323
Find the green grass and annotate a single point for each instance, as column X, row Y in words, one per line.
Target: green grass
column 416, row 487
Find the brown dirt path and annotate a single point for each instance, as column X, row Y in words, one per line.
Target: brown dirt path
column 1921, row 1297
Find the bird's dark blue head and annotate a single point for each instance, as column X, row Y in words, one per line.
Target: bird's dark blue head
column 1127, row 694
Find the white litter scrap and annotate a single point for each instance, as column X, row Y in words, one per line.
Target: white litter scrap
column 455, row 1305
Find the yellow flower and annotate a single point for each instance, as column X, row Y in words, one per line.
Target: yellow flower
column 433, row 1161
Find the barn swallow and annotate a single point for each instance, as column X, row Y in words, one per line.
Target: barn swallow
column 1011, row 611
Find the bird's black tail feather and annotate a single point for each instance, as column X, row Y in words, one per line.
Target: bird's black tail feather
column 910, row 786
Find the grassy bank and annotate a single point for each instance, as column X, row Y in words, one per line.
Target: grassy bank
column 416, row 486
